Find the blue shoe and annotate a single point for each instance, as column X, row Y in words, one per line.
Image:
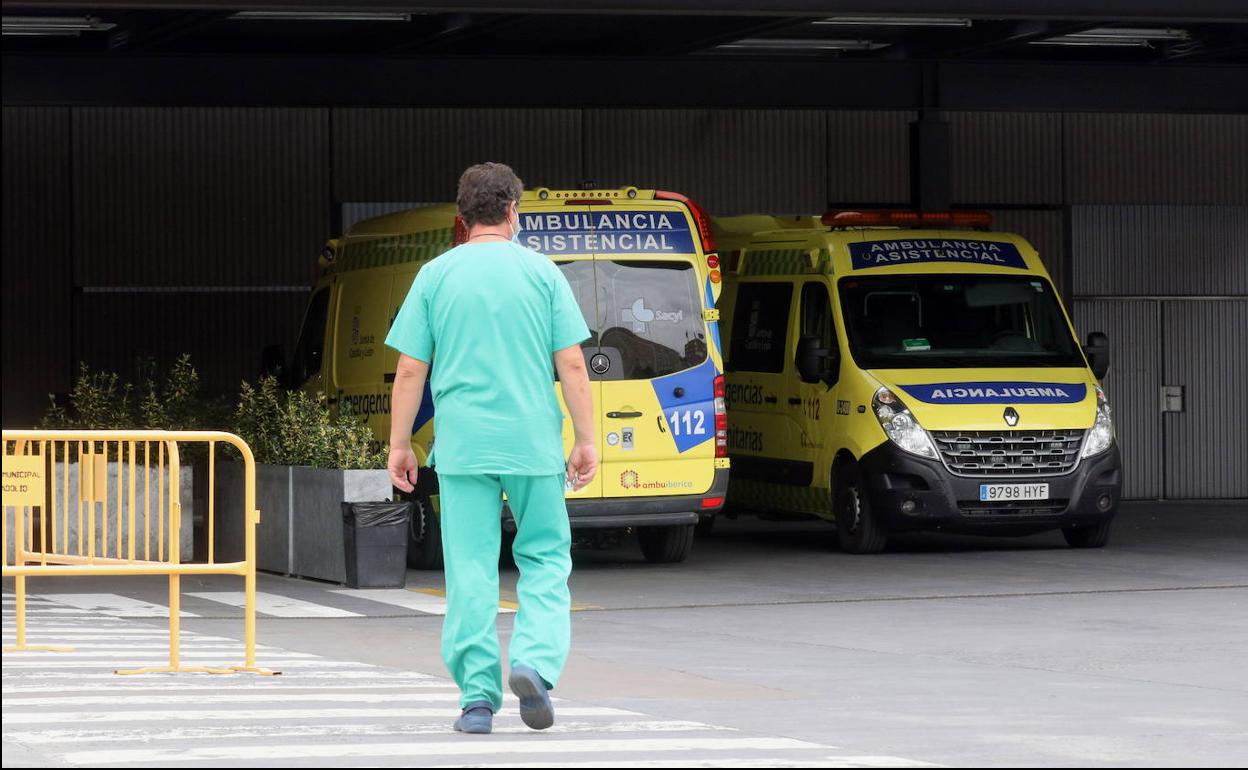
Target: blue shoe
column 535, row 707
column 477, row 718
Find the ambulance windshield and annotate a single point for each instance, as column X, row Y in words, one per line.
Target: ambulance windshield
column 647, row 316
column 951, row 321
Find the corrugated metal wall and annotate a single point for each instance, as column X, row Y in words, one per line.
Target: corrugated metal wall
column 1133, row 385
column 37, row 228
column 1172, row 250
column 201, row 223
column 730, row 161
column 1206, row 352
column 223, row 331
column 201, row 197
column 1113, row 158
column 869, row 157
column 1006, row 157
column 418, row 154
column 1155, row 252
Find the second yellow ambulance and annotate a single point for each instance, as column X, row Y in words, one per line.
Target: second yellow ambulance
column 897, row 371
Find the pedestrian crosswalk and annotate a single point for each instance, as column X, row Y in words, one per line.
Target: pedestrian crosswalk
column 70, row 709
column 333, row 603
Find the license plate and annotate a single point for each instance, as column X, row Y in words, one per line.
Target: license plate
column 1001, row 492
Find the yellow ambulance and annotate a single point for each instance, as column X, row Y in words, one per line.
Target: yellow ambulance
column 896, row 371
column 643, row 267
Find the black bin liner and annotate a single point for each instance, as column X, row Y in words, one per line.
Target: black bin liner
column 375, row 539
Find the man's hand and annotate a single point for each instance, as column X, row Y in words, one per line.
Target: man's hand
column 582, row 465
column 403, row 468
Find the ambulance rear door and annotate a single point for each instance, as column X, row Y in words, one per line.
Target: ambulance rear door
column 652, row 357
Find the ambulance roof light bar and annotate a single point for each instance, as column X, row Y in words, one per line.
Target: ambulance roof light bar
column 903, row 218
column 700, row 218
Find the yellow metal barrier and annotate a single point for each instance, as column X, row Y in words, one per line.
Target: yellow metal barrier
column 57, row 482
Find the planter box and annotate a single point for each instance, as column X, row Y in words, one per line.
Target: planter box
column 108, row 514
column 300, row 530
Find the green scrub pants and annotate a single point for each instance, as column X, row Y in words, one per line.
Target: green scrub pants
column 471, row 536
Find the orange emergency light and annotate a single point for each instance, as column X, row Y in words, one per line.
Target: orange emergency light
column 904, row 218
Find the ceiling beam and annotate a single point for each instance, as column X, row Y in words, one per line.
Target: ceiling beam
column 1104, row 10
column 748, row 28
column 145, row 38
column 722, row 82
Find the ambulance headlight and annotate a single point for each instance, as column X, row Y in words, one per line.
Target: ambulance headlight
column 901, row 426
column 1101, row 436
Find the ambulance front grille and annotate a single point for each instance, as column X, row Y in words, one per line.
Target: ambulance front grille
column 990, row 453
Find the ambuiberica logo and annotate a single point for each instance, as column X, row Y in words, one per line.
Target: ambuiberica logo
column 632, row 480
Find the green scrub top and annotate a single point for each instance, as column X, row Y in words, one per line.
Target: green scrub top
column 488, row 318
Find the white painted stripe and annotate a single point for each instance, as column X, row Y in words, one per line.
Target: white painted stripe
column 70, row 615
column 127, row 652
column 126, row 689
column 277, row 605
column 242, row 715
column 148, row 644
column 366, row 677
column 286, row 732
column 407, row 598
column 116, row 605
column 832, row 762
column 271, row 697
column 431, row 749
column 50, row 661
column 114, row 631
column 84, row 630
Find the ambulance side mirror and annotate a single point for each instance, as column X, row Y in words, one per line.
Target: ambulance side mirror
column 1097, row 351
column 815, row 363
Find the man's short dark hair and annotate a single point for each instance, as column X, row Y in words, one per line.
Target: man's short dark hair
column 486, row 192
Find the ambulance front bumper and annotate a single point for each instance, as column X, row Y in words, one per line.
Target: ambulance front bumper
column 915, row 494
column 667, row 511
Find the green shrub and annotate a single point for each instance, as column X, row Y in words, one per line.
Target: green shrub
column 101, row 400
column 296, row 428
column 280, row 426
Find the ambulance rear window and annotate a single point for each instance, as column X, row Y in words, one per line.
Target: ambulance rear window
column 645, row 314
column 652, row 314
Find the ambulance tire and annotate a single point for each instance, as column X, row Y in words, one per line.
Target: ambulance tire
column 666, row 545
column 858, row 529
column 424, row 539
column 1088, row 537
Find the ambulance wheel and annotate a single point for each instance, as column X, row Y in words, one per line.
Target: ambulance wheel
column 424, row 536
column 666, row 545
column 858, row 528
column 1088, row 537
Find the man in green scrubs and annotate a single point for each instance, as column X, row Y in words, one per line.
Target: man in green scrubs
column 496, row 321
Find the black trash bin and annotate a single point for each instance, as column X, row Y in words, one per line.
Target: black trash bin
column 375, row 539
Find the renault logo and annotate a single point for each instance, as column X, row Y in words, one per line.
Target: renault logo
column 1011, row 416
column 600, row 363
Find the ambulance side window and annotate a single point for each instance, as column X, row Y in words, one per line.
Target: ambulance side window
column 760, row 326
column 311, row 347
column 817, row 316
